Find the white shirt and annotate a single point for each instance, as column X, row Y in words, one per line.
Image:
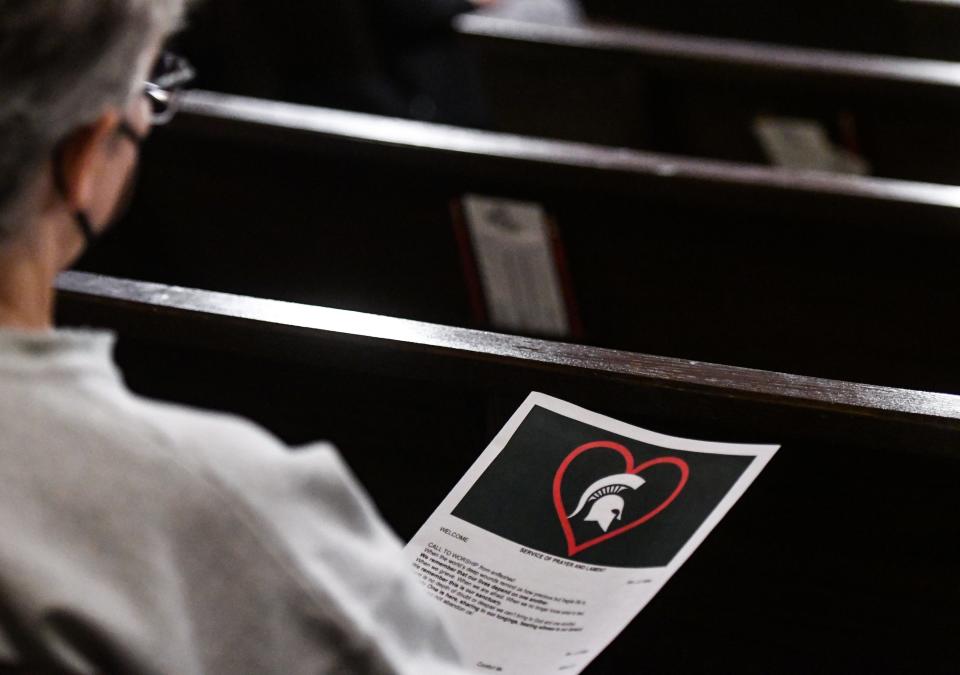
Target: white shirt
column 151, row 538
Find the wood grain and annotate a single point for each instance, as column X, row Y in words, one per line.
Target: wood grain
column 184, row 305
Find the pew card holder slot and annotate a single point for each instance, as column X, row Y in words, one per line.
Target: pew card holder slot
column 515, row 267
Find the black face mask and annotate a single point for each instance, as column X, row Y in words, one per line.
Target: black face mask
column 83, row 223
column 82, row 218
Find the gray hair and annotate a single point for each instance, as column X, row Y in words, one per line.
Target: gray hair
column 62, row 64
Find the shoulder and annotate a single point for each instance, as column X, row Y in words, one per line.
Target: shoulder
column 135, row 514
column 312, row 517
column 298, row 494
column 233, row 450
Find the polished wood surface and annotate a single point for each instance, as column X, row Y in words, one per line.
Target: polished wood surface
column 666, row 87
column 696, row 95
column 845, row 543
column 904, row 75
column 846, row 278
column 311, row 324
column 919, row 28
column 218, row 115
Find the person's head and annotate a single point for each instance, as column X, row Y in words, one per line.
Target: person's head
column 72, row 111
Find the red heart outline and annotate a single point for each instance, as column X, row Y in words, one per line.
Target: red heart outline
column 573, row 548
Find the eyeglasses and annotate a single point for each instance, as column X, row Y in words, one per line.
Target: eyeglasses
column 170, row 75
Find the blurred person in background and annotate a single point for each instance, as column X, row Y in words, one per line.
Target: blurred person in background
column 391, row 57
column 141, row 537
column 549, row 12
column 438, row 76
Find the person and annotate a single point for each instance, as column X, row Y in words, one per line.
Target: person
column 437, row 76
column 546, row 12
column 389, row 57
column 139, row 536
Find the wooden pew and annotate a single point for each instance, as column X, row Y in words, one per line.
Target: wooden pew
column 839, row 277
column 700, row 96
column 920, row 28
column 842, row 558
column 643, row 88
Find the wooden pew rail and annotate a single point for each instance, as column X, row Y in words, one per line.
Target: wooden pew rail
column 840, row 559
column 846, row 278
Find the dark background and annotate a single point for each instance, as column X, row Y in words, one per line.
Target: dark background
column 848, row 571
column 514, row 496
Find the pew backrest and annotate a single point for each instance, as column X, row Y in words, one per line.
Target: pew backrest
column 360, row 212
column 705, row 96
column 845, row 543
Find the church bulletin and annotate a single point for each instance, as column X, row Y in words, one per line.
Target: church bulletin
column 566, row 526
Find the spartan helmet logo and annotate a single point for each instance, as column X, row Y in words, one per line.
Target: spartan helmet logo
column 604, row 497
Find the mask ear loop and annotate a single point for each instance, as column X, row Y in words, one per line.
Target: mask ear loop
column 80, row 218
